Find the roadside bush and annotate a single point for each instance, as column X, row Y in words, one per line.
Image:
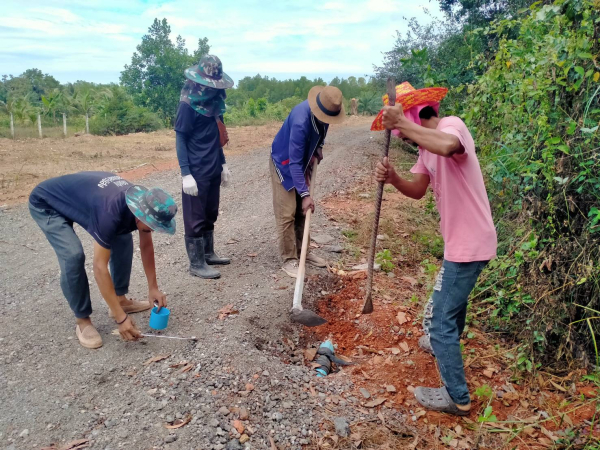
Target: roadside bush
column 535, row 113
column 256, row 112
column 119, row 116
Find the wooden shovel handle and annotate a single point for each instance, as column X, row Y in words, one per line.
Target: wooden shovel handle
column 305, row 237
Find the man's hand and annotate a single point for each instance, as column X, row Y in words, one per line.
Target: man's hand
column 129, row 331
column 189, row 185
column 307, row 203
column 384, row 172
column 392, row 116
column 159, row 297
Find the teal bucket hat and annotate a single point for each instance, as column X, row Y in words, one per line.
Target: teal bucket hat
column 154, row 207
column 209, row 72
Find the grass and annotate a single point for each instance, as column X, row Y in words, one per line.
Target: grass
column 31, row 131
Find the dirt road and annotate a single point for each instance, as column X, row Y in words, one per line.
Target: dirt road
column 54, row 391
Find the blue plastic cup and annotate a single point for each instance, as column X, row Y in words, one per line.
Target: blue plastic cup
column 159, row 319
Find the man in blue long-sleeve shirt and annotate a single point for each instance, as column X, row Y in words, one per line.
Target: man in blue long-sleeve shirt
column 202, row 161
column 297, row 144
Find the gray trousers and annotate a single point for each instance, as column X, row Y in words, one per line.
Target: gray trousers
column 71, row 259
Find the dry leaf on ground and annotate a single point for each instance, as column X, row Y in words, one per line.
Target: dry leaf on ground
column 156, row 359
column 226, row 311
column 410, row 280
column 402, row 318
column 404, row 346
column 310, row 353
column 375, row 402
column 488, row 373
column 558, row 386
column 378, row 360
column 179, row 423
column 76, row 445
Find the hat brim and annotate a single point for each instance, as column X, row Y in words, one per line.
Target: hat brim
column 410, row 100
column 314, row 107
column 133, row 197
column 191, row 73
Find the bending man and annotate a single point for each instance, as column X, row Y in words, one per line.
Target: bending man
column 109, row 208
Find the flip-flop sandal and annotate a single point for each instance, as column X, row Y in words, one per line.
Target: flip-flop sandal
column 438, row 400
column 425, row 344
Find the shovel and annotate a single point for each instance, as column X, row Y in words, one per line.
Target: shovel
column 299, row 315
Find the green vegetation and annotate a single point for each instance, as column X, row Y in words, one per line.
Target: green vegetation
column 155, row 76
column 111, row 110
column 384, row 259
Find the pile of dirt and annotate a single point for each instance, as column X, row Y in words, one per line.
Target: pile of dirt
column 533, row 412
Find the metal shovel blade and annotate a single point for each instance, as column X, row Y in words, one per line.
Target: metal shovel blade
column 307, row 318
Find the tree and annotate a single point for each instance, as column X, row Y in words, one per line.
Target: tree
column 481, row 12
column 32, row 82
column 86, row 101
column 52, row 103
column 155, row 76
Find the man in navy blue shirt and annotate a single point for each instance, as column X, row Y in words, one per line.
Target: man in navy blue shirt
column 199, row 143
column 297, row 144
column 109, row 208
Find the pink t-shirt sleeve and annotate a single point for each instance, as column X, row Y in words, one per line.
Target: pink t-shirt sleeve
column 419, row 167
column 456, row 127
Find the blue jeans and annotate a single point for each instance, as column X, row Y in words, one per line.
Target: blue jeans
column 445, row 316
column 71, row 259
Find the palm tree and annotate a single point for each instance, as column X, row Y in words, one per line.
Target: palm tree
column 52, row 103
column 369, row 103
column 24, row 111
column 8, row 107
column 86, row 102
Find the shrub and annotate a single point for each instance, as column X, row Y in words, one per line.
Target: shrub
column 119, row 116
column 535, row 113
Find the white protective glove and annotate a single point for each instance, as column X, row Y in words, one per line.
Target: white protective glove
column 225, row 176
column 189, row 185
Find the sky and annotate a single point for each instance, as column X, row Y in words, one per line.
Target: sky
column 92, row 40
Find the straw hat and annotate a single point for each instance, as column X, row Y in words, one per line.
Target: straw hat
column 326, row 103
column 410, row 97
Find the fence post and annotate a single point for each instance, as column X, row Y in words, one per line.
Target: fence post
column 40, row 126
column 65, row 124
column 12, row 126
column 87, row 123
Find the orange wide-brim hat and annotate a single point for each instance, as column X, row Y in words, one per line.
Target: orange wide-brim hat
column 410, row 97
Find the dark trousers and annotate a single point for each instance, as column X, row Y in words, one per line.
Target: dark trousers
column 71, row 259
column 200, row 212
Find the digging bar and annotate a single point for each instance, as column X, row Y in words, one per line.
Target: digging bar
column 368, row 306
column 300, row 315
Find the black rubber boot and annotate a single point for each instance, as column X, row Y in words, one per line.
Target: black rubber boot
column 198, row 266
column 209, row 251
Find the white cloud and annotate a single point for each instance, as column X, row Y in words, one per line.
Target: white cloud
column 292, row 37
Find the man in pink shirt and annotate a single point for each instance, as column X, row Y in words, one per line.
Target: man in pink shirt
column 447, row 161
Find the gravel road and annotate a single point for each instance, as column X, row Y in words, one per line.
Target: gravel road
column 245, row 367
